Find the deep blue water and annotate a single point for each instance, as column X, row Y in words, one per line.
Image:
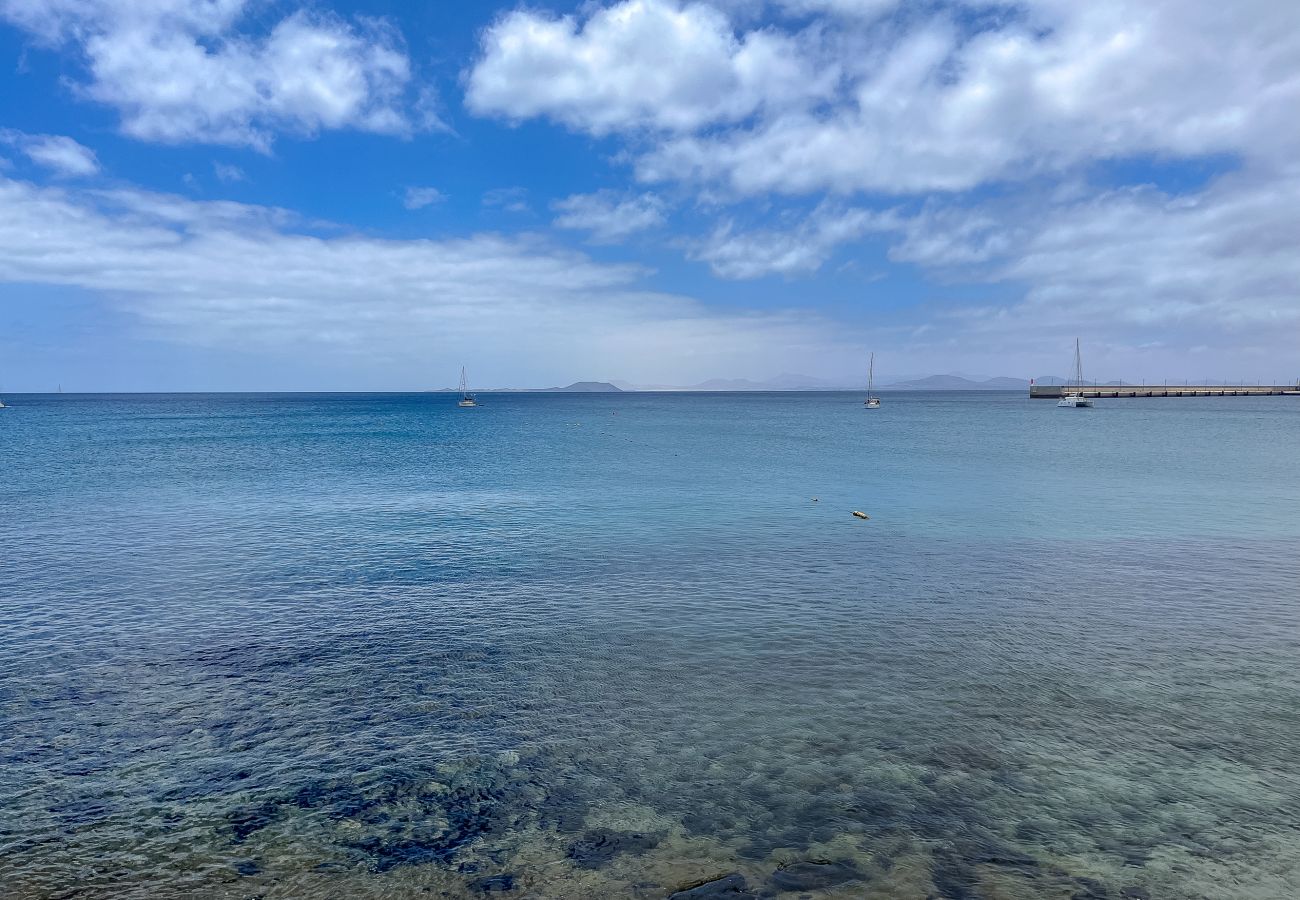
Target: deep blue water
column 610, row 645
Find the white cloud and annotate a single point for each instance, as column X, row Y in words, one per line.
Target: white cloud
column 420, row 197
column 918, row 102
column 851, row 9
column 56, row 152
column 796, row 250
column 638, row 64
column 609, row 215
column 510, row 199
column 1137, row 270
column 227, row 172
column 180, row 71
column 1220, row 260
column 248, row 277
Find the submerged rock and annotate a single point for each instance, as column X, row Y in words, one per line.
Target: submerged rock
column 812, row 875
column 728, row 887
column 596, row 848
column 953, row 877
column 244, row 820
column 493, row 884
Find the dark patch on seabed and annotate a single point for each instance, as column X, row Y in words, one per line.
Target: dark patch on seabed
column 596, row 848
column 812, row 875
column 413, row 818
column 728, row 887
column 437, row 816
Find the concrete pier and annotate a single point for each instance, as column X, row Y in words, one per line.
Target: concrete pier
column 1056, row 391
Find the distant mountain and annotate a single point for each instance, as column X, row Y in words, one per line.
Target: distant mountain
column 783, row 382
column 787, row 382
column 957, row 383
column 589, row 387
column 728, row 384
column 1003, row 383
column 1054, row 380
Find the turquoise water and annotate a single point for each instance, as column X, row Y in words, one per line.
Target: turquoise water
column 590, row 646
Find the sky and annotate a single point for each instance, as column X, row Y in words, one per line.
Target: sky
column 329, row 195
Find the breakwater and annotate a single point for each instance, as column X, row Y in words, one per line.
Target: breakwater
column 1056, row 391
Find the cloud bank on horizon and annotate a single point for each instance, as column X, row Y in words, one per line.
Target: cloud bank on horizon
column 648, row 190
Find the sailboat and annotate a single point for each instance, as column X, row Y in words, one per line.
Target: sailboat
column 1073, row 396
column 871, row 402
column 466, row 398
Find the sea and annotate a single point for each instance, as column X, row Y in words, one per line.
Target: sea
column 637, row 645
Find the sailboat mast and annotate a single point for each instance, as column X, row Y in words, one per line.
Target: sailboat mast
column 871, row 374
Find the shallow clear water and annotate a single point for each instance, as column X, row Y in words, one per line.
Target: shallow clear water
column 609, row 645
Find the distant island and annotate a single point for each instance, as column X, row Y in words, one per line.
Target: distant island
column 589, row 387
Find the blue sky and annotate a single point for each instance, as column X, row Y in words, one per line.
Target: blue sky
column 234, row 194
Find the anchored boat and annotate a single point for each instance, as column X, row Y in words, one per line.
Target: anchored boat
column 871, row 402
column 1073, row 396
column 466, row 398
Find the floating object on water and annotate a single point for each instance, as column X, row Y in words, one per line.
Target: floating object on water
column 860, row 514
column 814, row 499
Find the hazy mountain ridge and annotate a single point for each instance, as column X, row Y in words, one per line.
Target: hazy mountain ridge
column 589, row 387
column 790, row 382
column 958, row 383
column 793, row 382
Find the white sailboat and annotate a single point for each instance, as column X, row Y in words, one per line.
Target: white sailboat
column 1073, row 395
column 871, row 402
column 466, row 398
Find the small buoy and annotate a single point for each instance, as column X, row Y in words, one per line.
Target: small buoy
column 860, row 514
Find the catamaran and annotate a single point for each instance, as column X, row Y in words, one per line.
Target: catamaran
column 466, row 398
column 871, row 402
column 1073, row 394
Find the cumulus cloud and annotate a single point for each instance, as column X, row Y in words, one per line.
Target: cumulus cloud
column 246, row 276
column 638, row 64
column 60, row 154
column 420, row 197
column 609, row 215
column 934, row 100
column 181, row 71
